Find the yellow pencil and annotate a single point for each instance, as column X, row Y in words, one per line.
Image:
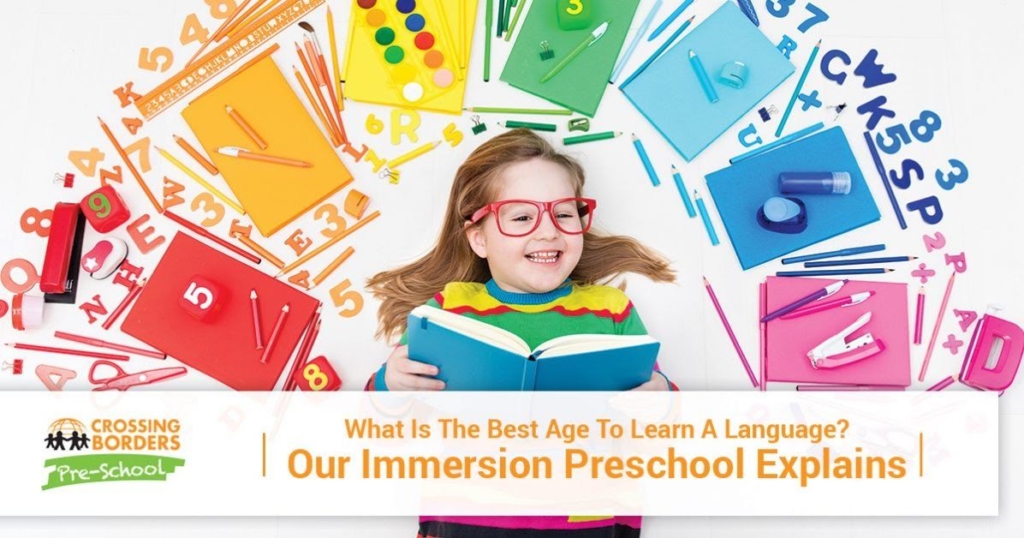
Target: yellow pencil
column 334, row 60
column 425, row 148
column 330, row 243
column 206, row 185
column 319, row 113
column 332, row 266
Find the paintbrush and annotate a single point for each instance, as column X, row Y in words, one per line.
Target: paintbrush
column 321, row 69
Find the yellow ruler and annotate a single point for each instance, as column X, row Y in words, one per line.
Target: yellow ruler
column 224, row 56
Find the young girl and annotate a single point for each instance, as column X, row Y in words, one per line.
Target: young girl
column 517, row 251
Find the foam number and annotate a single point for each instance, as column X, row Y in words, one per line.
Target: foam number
column 779, row 8
column 193, row 30
column 342, row 295
column 100, row 205
column 453, row 135
column 575, row 7
column 897, row 136
column 86, row 161
column 335, row 222
column 817, row 17
column 32, row 221
column 221, row 9
column 213, row 212
column 949, row 180
column 198, row 296
column 316, row 377
column 26, row 267
column 140, row 146
column 374, row 125
column 158, row 59
column 925, row 127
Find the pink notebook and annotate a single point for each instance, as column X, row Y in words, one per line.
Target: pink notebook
column 785, row 342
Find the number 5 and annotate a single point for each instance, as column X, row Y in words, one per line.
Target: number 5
column 575, row 7
column 193, row 293
column 160, row 58
column 340, row 297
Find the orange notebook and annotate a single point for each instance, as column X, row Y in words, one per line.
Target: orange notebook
column 224, row 346
column 273, row 195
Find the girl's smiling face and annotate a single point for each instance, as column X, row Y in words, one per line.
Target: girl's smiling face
column 539, row 261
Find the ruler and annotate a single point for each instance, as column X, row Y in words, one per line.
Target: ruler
column 224, row 56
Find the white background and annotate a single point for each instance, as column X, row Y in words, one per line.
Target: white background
column 62, row 59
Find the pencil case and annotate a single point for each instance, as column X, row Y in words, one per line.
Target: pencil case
column 54, row 278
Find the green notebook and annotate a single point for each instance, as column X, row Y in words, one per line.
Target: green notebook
column 581, row 84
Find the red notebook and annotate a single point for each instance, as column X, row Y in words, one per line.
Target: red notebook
column 223, row 347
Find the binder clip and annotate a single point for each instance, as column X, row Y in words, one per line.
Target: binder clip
column 837, row 351
column 579, row 124
column 766, row 113
column 68, row 180
column 15, row 368
column 546, row 53
column 994, row 354
column 391, row 175
column 478, row 127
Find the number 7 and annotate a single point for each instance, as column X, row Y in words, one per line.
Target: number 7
column 817, row 16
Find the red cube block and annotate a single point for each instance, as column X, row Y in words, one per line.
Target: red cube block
column 317, row 375
column 201, row 298
column 105, row 209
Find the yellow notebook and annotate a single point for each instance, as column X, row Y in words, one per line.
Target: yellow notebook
column 272, row 194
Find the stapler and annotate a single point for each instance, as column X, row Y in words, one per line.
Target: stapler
column 838, row 351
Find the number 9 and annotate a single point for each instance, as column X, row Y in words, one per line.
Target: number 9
column 575, row 7
column 100, row 204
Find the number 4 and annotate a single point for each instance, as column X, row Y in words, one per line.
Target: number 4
column 193, row 30
column 341, row 297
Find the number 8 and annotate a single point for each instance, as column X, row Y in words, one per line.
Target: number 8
column 316, row 377
column 575, row 7
column 221, row 9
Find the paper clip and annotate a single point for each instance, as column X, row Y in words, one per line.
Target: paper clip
column 391, row 175
column 766, row 113
column 546, row 52
column 478, row 127
column 67, row 179
column 839, row 110
column 579, row 124
column 16, row 366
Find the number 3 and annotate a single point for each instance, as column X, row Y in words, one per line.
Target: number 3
column 193, row 293
column 575, row 7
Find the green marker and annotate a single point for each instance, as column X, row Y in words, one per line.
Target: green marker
column 570, row 140
column 488, row 23
column 590, row 40
column 532, row 111
column 548, row 127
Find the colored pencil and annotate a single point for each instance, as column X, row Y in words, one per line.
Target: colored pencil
column 582, row 46
column 501, row 18
column 302, row 354
column 880, row 168
column 254, row 301
column 636, row 40
column 131, row 167
column 639, row 146
column 132, row 294
column 194, row 153
column 200, row 231
column 796, row 91
column 65, row 351
column 96, row 342
column 241, row 153
column 919, row 317
column 335, row 128
column 593, row 137
column 515, row 20
column 533, row 111
column 780, row 142
column 669, row 20
column 244, row 125
column 488, row 16
column 202, row 182
column 681, row 187
column 657, row 53
column 728, row 329
column 938, row 326
column 259, row 250
column 941, row 384
column 332, row 39
column 841, row 302
column 546, row 127
column 706, row 218
column 422, row 150
column 332, row 266
column 328, row 244
column 861, row 261
column 848, row 388
column 702, row 77
column 324, row 124
column 836, row 272
column 275, row 333
column 834, row 254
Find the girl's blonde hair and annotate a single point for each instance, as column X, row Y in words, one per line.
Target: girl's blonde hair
column 477, row 184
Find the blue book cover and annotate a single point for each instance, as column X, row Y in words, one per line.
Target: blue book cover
column 472, row 355
column 670, row 96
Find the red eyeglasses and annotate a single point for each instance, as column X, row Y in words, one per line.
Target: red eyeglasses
column 516, row 218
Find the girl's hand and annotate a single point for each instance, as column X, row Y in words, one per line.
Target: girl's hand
column 657, row 382
column 403, row 373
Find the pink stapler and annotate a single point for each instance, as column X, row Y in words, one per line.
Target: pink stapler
column 994, row 354
column 838, row 351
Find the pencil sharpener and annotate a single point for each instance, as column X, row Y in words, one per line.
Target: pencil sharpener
column 574, row 14
column 317, row 376
column 105, row 209
column 783, row 215
column 355, row 203
column 579, row 124
column 201, row 298
column 734, row 74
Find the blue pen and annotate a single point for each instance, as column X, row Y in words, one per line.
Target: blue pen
column 664, row 46
column 647, row 161
column 702, row 76
column 780, row 142
column 860, row 261
column 748, row 9
column 636, row 40
column 836, row 272
column 682, row 192
column 668, row 22
column 706, row 218
column 834, row 254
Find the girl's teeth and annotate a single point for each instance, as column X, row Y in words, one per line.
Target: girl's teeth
column 543, row 257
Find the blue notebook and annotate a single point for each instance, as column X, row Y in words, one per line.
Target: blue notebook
column 472, row 355
column 670, row 96
column 739, row 190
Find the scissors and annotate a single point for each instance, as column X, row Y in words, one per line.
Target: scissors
column 122, row 380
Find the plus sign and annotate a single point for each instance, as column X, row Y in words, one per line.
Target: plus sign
column 924, row 273
column 952, row 344
column 809, row 100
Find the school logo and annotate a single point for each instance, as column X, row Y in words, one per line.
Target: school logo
column 108, row 450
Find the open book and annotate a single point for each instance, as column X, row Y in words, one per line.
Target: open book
column 472, row 355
